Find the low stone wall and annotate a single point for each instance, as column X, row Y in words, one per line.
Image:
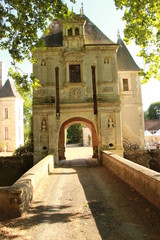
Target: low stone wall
column 143, row 180
column 15, row 200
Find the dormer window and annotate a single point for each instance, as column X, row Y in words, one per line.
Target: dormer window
column 70, row 32
column 77, row 31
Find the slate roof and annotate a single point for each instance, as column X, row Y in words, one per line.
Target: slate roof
column 93, row 35
column 9, row 90
column 125, row 60
column 54, row 38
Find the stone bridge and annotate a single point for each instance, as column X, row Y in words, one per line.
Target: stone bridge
column 79, row 199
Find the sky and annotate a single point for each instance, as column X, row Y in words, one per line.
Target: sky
column 105, row 16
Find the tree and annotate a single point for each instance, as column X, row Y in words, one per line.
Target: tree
column 153, row 111
column 146, row 115
column 143, row 25
column 20, row 23
column 27, row 96
column 74, row 133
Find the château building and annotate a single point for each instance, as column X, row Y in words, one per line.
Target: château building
column 85, row 78
column 11, row 116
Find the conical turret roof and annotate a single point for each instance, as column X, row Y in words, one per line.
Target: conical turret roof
column 9, row 90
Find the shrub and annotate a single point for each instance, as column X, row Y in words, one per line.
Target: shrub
column 24, row 151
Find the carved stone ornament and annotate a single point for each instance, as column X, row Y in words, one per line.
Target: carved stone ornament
column 75, row 93
column 43, row 62
column 40, row 92
column 43, row 125
column 110, row 122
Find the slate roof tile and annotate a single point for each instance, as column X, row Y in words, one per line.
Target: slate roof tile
column 9, row 90
column 125, row 60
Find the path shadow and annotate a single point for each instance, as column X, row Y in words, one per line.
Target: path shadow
column 36, row 216
column 79, row 162
column 120, row 212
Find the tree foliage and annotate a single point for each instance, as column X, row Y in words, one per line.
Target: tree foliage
column 75, row 134
column 20, row 22
column 146, row 115
column 143, row 25
column 153, row 111
column 27, row 95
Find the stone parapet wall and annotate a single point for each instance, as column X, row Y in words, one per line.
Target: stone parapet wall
column 143, row 180
column 15, row 200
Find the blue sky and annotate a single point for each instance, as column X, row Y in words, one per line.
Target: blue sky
column 104, row 14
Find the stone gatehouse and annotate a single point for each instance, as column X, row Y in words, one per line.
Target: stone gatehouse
column 85, row 78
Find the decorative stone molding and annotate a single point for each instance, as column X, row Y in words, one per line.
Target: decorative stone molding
column 75, row 93
column 106, row 60
column 43, row 62
column 110, row 122
column 43, row 125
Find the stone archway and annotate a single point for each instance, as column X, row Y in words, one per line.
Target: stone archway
column 68, row 123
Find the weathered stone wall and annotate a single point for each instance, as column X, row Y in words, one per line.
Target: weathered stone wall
column 12, row 168
column 143, row 180
column 14, row 122
column 149, row 159
column 15, row 199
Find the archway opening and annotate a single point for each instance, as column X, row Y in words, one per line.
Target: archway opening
column 77, row 139
column 78, row 142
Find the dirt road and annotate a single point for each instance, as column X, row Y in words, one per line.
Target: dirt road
column 85, row 203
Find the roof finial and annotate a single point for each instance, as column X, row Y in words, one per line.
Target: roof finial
column 118, row 34
column 82, row 9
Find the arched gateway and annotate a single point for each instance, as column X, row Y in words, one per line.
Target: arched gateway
column 85, row 78
column 70, row 122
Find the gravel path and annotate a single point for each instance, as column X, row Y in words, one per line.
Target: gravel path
column 85, row 203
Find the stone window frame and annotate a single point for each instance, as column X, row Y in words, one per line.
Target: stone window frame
column 6, row 133
column 20, row 135
column 19, row 114
column 125, row 84
column 129, row 91
column 70, row 32
column 74, row 64
column 77, row 31
column 6, row 113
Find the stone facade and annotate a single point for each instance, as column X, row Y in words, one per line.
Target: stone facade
column 11, row 117
column 87, row 137
column 80, row 83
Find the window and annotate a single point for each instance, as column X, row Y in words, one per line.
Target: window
column 74, row 71
column 6, row 113
column 125, row 84
column 70, row 32
column 6, row 133
column 19, row 114
column 19, row 133
column 77, row 31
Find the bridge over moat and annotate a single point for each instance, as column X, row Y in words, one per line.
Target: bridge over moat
column 76, row 202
